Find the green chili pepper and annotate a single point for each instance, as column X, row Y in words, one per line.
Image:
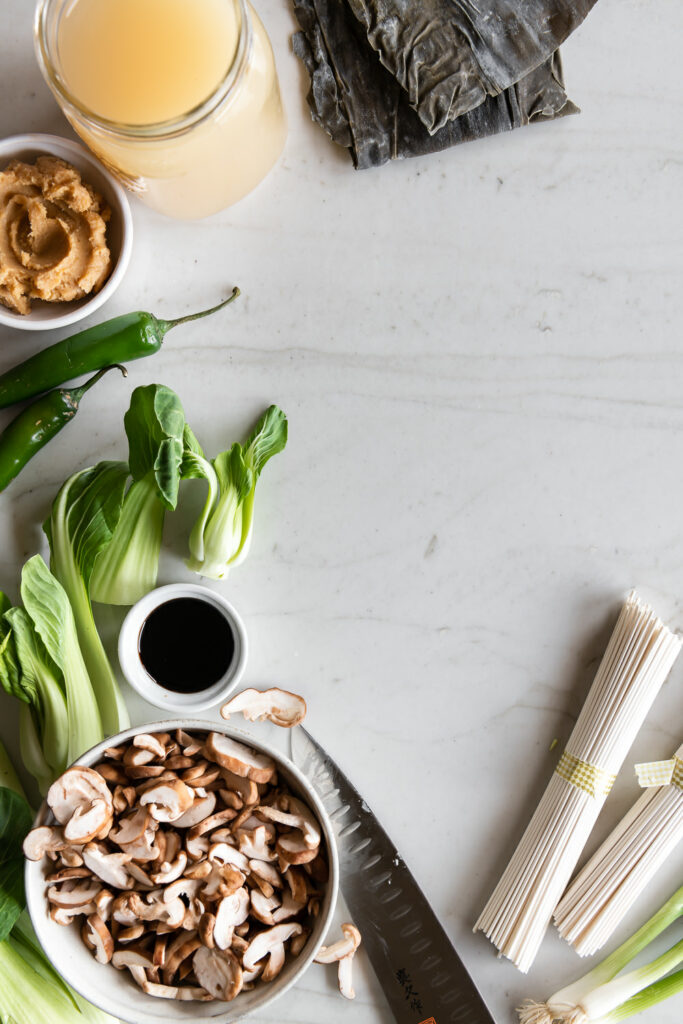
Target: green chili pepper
column 39, row 423
column 126, row 337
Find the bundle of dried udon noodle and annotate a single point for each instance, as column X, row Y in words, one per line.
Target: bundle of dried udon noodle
column 610, row 883
column 391, row 78
column 638, row 658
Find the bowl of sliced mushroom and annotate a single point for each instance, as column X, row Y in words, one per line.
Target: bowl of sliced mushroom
column 181, row 871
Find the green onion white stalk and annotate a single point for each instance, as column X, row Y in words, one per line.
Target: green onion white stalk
column 602, row 985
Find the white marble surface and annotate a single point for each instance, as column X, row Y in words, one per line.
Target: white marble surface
column 480, row 354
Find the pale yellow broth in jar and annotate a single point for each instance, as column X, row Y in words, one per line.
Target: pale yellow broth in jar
column 147, row 63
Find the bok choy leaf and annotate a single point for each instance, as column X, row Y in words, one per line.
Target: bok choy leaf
column 51, row 616
column 82, row 523
column 222, row 534
column 126, row 569
column 39, row 684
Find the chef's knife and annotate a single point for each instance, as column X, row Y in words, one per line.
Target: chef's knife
column 422, row 976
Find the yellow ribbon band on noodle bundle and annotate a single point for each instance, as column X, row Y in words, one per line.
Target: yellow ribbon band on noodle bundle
column 588, row 777
column 661, row 773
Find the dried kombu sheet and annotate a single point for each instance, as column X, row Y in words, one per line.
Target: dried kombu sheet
column 362, row 106
column 449, row 55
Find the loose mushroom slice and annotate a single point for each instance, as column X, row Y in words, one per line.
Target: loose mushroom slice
column 177, row 762
column 188, row 744
column 65, row 915
column 219, row 973
column 193, row 915
column 262, row 907
column 231, row 799
column 183, row 992
column 298, row 886
column 74, row 892
column 223, row 853
column 238, row 758
column 224, row 880
column 143, row 849
column 133, row 956
column 342, row 951
column 129, row 908
column 123, row 798
column 310, row 827
column 77, row 789
column 232, row 911
column 110, row 867
column 293, row 848
column 299, row 941
column 136, row 757
column 210, row 823
column 270, row 943
column 345, row 976
column 289, row 908
column 202, row 807
column 245, row 788
column 198, row 847
column 89, row 822
column 130, row 934
column 152, row 743
column 64, row 874
column 43, row 840
column 170, row 871
column 114, row 753
column 168, row 800
column 268, row 873
column 188, row 887
column 281, row 707
column 132, row 827
column 70, row 856
column 97, row 937
column 205, row 929
column 103, row 902
column 200, row 869
column 178, row 950
column 112, row 773
column 342, row 948
column 140, row 875
column 254, row 844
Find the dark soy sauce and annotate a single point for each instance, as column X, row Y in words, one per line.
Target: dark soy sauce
column 186, row 645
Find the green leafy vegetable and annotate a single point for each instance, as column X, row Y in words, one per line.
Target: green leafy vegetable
column 82, row 523
column 41, row 686
column 126, row 569
column 50, row 612
column 221, row 536
column 15, row 822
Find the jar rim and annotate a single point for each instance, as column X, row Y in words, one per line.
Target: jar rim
column 159, row 130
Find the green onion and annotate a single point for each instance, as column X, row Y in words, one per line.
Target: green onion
column 570, row 1000
column 647, row 997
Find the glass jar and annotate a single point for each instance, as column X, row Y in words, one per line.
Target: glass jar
column 188, row 162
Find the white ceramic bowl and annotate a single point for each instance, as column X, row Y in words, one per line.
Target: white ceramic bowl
column 139, row 678
column 45, row 316
column 114, row 991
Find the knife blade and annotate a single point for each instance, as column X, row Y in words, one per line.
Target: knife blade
column 422, row 976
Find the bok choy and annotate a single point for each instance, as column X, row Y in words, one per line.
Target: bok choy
column 41, row 664
column 126, row 569
column 82, row 523
column 221, row 536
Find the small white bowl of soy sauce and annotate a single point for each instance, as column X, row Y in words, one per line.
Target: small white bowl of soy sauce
column 183, row 647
